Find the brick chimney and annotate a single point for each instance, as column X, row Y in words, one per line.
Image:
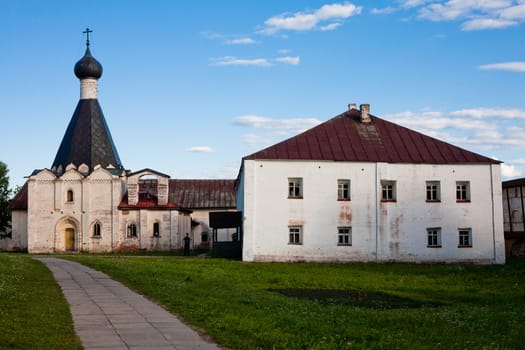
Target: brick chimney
column 365, row 113
column 352, row 106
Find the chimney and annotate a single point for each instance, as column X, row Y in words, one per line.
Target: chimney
column 365, row 113
column 352, row 106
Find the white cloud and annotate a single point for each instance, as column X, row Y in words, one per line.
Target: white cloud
column 487, row 23
column 474, row 14
column 383, row 11
column 234, row 61
column 331, row 26
column 520, row 161
column 482, row 112
column 200, row 149
column 510, row 171
column 510, row 66
column 240, row 41
column 280, row 126
column 301, row 21
column 514, row 12
column 294, row 60
column 476, row 129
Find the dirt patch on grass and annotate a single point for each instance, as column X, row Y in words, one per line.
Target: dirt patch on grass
column 372, row 300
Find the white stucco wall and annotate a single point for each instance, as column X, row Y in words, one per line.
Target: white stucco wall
column 391, row 231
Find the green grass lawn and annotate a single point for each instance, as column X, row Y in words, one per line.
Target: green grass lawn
column 334, row 306
column 33, row 311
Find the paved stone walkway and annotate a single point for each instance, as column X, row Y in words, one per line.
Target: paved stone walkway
column 107, row 315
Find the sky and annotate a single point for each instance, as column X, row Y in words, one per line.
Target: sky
column 191, row 87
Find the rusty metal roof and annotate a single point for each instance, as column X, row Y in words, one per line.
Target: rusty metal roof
column 186, row 195
column 513, row 183
column 203, row 194
column 19, row 202
column 346, row 138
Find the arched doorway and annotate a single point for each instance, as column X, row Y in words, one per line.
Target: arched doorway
column 70, row 239
column 67, row 235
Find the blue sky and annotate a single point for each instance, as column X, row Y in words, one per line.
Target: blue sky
column 190, row 87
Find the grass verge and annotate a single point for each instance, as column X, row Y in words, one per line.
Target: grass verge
column 242, row 305
column 33, row 311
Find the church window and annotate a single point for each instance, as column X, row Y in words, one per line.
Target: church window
column 204, row 237
column 156, row 230
column 69, row 196
column 96, row 230
column 132, row 230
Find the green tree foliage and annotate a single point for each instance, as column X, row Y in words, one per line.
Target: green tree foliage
column 5, row 213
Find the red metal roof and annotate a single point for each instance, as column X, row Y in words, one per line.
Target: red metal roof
column 19, row 202
column 203, row 194
column 346, row 138
column 186, row 195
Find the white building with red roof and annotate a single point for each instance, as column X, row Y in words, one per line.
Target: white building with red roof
column 360, row 188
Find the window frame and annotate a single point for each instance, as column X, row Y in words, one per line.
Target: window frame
column 347, row 234
column 465, row 193
column 295, row 187
column 96, row 230
column 156, row 229
column 433, row 195
column 295, row 238
column 341, row 190
column 132, row 231
column 70, row 196
column 434, row 233
column 388, row 191
column 462, row 233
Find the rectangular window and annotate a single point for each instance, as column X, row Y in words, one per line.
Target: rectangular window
column 465, row 237
column 433, row 191
column 295, row 187
column 344, row 236
column 434, row 237
column 388, row 191
column 462, row 191
column 343, row 190
column 296, row 234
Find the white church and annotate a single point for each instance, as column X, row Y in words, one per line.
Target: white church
column 88, row 202
column 354, row 188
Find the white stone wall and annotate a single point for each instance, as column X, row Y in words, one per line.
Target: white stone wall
column 381, row 231
column 18, row 231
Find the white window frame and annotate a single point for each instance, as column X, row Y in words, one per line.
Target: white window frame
column 295, row 187
column 465, row 237
column 344, row 236
column 434, row 237
column 295, row 235
column 433, row 191
column 462, row 191
column 388, row 191
column 343, row 190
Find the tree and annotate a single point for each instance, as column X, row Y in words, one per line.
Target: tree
column 5, row 212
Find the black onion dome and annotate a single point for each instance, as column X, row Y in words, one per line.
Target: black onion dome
column 88, row 67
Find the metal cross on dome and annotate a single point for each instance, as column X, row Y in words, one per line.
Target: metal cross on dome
column 87, row 31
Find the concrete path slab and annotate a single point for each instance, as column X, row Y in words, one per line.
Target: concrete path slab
column 108, row 315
